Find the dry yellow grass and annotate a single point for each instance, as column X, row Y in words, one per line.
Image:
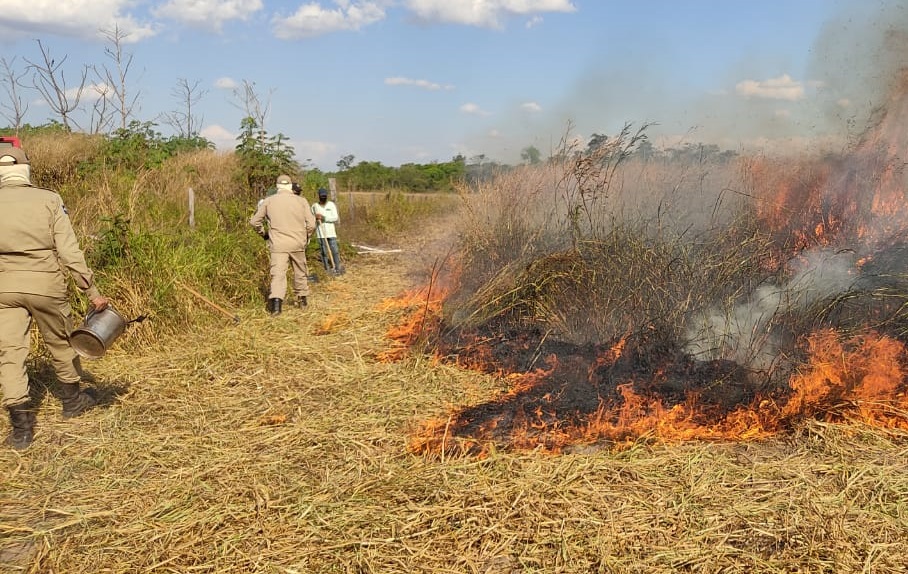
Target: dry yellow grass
column 280, row 446
column 55, row 158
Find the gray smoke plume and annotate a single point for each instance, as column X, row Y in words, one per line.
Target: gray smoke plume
column 747, row 332
column 861, row 58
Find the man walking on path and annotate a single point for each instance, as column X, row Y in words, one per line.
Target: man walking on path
column 37, row 243
column 326, row 216
column 289, row 226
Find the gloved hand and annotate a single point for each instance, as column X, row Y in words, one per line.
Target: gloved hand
column 265, row 236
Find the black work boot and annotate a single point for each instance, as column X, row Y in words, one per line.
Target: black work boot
column 22, row 421
column 301, row 301
column 274, row 306
column 75, row 401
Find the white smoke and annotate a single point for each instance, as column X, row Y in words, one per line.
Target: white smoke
column 745, row 332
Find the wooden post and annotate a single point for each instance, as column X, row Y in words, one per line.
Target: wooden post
column 332, row 186
column 191, row 207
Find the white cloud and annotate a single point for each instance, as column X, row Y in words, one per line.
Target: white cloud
column 534, row 21
column 424, row 84
column 781, row 88
column 94, row 92
column 473, row 109
column 76, row 18
column 209, row 14
column 221, row 137
column 312, row 20
column 87, row 93
column 226, row 83
column 531, row 107
column 484, row 13
column 317, row 152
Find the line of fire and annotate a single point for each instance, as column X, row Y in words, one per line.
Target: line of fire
column 791, row 306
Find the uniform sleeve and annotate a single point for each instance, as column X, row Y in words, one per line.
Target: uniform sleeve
column 310, row 220
column 258, row 219
column 70, row 254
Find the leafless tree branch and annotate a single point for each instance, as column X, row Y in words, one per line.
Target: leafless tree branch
column 252, row 104
column 49, row 79
column 184, row 121
column 15, row 109
column 123, row 102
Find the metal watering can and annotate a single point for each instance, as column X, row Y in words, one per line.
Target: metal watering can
column 98, row 332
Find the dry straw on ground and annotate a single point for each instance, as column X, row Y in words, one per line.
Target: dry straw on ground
column 280, row 446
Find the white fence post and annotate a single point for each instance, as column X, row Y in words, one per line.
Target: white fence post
column 191, row 207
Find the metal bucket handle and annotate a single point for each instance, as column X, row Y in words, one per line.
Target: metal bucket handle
column 94, row 311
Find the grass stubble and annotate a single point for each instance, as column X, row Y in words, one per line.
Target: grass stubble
column 280, row 445
column 262, row 447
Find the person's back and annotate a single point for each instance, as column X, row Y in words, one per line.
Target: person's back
column 289, row 221
column 28, row 244
column 289, row 225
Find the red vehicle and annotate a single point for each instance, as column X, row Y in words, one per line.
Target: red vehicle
column 9, row 141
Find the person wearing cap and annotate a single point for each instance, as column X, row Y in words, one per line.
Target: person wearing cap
column 327, row 218
column 37, row 246
column 289, row 226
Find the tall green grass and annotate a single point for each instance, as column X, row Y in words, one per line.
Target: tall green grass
column 134, row 226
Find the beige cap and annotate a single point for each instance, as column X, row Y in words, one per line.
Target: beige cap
column 283, row 180
column 13, row 155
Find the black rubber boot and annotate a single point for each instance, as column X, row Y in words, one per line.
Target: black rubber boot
column 301, row 301
column 274, row 306
column 22, row 421
column 75, row 401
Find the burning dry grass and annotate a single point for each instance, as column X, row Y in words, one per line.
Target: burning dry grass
column 280, row 446
column 744, row 297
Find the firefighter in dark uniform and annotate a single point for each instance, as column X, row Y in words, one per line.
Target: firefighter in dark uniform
column 37, row 246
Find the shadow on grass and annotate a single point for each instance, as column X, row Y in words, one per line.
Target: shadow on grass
column 43, row 382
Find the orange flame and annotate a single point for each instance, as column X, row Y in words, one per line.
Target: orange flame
column 422, row 311
column 853, row 201
column 861, row 377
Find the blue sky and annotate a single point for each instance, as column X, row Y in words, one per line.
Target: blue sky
column 401, row 81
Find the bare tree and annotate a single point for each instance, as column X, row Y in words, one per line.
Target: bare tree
column 49, row 79
column 15, row 109
column 123, row 102
column 184, row 121
column 255, row 108
column 102, row 113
